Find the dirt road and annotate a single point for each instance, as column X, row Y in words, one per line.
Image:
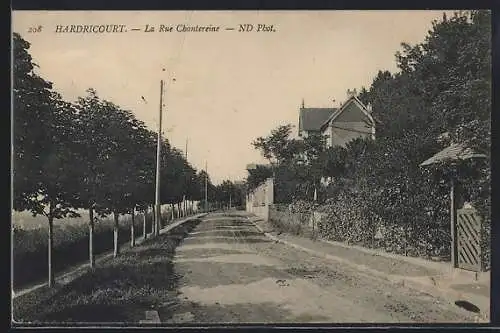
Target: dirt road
column 231, row 273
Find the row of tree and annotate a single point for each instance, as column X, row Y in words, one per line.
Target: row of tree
column 229, row 194
column 91, row 154
column 441, row 94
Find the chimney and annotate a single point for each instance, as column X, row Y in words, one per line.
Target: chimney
column 351, row 93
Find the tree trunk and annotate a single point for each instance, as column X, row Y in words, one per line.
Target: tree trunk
column 158, row 222
column 91, row 237
column 115, row 234
column 132, row 229
column 180, row 205
column 153, row 221
column 159, row 225
column 179, row 209
column 144, row 231
column 51, row 246
column 173, row 216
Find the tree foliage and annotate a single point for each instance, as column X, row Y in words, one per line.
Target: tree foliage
column 441, row 94
column 91, row 154
column 32, row 117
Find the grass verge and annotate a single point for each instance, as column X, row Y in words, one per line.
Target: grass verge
column 116, row 291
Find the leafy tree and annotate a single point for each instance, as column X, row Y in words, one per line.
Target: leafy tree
column 44, row 168
column 240, row 194
column 195, row 186
column 297, row 165
column 32, row 106
column 93, row 149
column 258, row 175
column 443, row 86
column 314, row 151
column 172, row 175
column 144, row 161
column 55, row 182
column 118, row 164
column 139, row 168
column 228, row 194
column 205, row 182
column 451, row 71
column 191, row 185
column 278, row 147
column 334, row 162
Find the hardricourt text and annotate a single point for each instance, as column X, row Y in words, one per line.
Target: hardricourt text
column 119, row 28
column 84, row 28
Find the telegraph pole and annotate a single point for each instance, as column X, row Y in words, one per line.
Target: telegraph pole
column 184, row 203
column 206, row 187
column 158, row 157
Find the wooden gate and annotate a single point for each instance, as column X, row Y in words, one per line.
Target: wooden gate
column 469, row 226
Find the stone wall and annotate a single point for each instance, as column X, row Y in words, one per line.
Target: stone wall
column 259, row 200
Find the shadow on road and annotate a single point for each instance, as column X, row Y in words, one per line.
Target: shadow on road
column 265, row 313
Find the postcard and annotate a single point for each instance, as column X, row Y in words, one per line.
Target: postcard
column 250, row 167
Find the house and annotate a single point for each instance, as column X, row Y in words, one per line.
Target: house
column 340, row 125
column 311, row 119
column 351, row 121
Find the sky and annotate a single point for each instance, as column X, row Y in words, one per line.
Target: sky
column 230, row 87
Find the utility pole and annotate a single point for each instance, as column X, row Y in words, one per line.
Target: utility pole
column 158, row 157
column 206, row 186
column 184, row 203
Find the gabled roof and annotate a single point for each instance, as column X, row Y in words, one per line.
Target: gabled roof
column 453, row 153
column 338, row 112
column 311, row 119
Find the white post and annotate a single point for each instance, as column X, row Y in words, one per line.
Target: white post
column 453, row 223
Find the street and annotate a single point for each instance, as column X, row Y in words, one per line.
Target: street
column 344, row 181
column 229, row 272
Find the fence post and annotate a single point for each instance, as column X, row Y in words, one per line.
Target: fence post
column 269, row 196
column 144, row 222
column 453, row 224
